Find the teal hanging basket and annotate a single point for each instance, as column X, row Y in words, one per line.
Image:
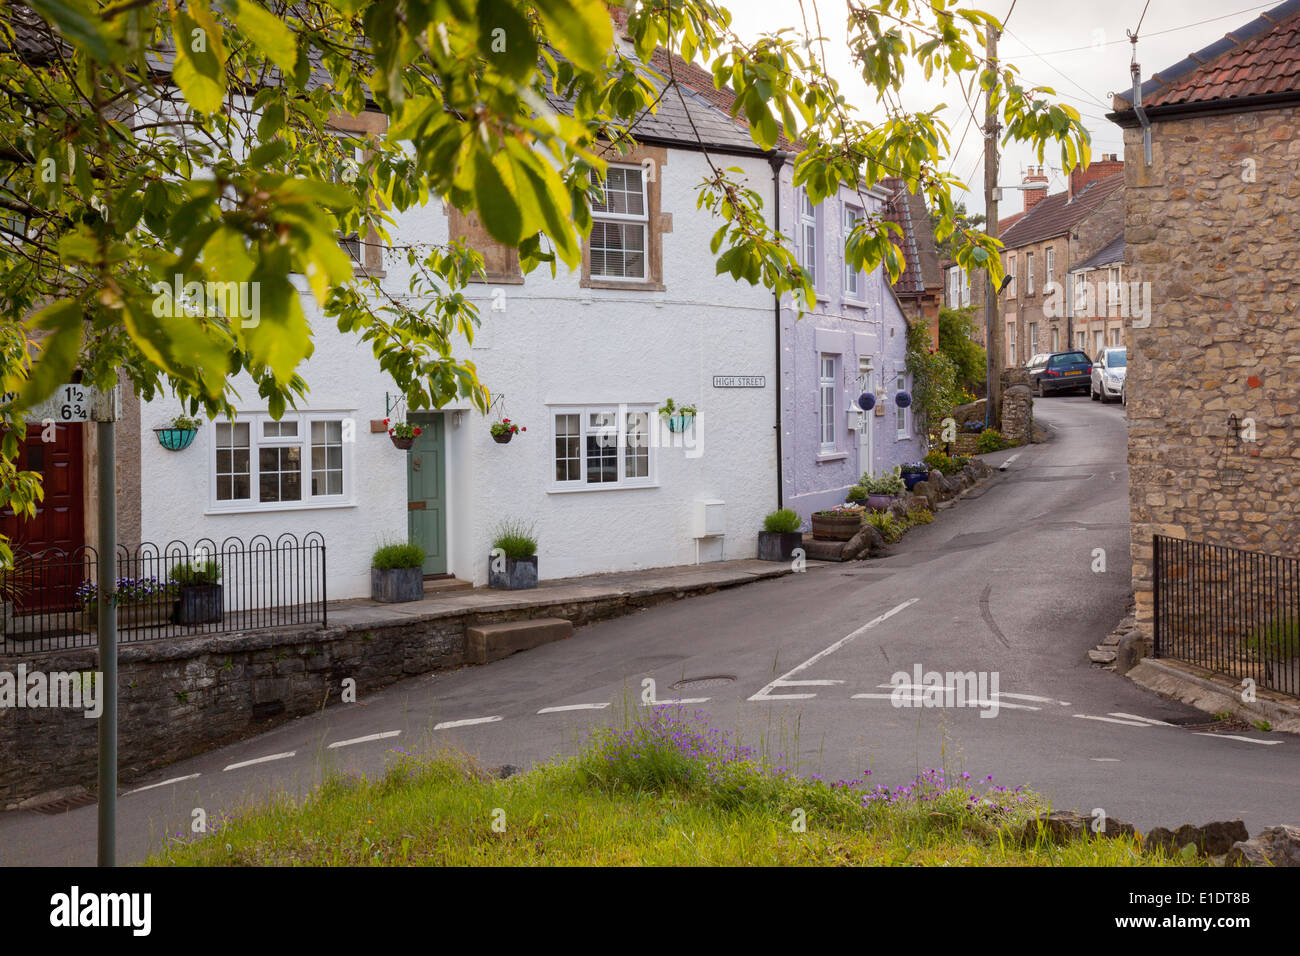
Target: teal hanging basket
column 679, row 423
column 175, row 439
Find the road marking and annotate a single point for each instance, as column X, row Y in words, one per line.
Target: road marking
column 782, row 680
column 921, row 697
column 1145, row 720
column 885, row 697
column 1113, row 720
column 678, row 700
column 810, row 683
column 564, row 707
column 1105, row 759
column 1035, row 698
column 363, row 740
column 162, row 783
column 268, row 759
column 1246, row 740
column 1003, row 466
column 448, row 724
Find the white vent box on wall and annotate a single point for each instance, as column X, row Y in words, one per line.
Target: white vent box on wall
column 855, row 419
column 710, row 518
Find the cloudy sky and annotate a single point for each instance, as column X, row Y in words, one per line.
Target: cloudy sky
column 1080, row 50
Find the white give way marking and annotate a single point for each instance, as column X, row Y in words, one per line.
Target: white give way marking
column 785, row 681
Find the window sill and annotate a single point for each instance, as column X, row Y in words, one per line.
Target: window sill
column 610, row 486
column 828, row 456
column 245, row 509
column 624, row 286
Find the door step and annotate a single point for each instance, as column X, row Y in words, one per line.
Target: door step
column 491, row 642
column 439, row 585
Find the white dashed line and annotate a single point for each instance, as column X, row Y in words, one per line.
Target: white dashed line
column 784, row 679
column 162, row 783
column 679, row 700
column 886, row 696
column 564, row 707
column 1244, row 740
column 1113, row 720
column 1145, row 720
column 1035, row 698
column 1105, row 759
column 448, row 724
column 268, row 759
column 363, row 740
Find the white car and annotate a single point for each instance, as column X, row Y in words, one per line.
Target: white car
column 1108, row 371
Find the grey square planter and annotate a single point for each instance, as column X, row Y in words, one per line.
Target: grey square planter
column 519, row 574
column 778, row 545
column 395, row 585
column 200, row 604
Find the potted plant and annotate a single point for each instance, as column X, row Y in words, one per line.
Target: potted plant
column 397, row 573
column 512, row 564
column 883, row 488
column 403, row 434
column 201, row 597
column 178, row 433
column 840, row 523
column 913, row 473
column 858, row 495
column 504, row 430
column 679, row 417
column 780, row 535
column 141, row 602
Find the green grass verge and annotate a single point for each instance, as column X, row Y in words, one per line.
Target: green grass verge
column 667, row 791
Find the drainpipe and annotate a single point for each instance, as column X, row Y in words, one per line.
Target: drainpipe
column 777, row 160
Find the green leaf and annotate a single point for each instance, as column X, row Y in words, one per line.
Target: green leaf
column 268, row 32
column 505, row 40
column 199, row 69
column 497, row 207
column 59, row 350
column 580, row 30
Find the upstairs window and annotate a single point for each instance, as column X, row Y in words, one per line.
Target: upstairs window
column 1051, row 264
column 620, row 224
column 826, row 402
column 1029, row 273
column 806, row 224
column 853, row 284
column 1011, row 271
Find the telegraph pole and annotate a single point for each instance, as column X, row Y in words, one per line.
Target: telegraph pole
column 107, row 410
column 996, row 348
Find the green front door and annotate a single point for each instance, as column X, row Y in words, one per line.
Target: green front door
column 426, row 492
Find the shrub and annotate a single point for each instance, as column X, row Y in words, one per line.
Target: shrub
column 991, row 440
column 945, row 464
column 188, row 575
column 890, row 529
column 857, row 493
column 516, row 539
column 785, row 521
column 393, row 556
column 920, row 516
column 1279, row 639
column 890, row 484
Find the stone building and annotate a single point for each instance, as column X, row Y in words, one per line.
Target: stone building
column 1212, row 225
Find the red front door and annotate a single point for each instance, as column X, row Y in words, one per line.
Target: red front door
column 60, row 517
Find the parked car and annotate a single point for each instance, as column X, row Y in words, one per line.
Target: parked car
column 1064, row 372
column 1123, row 393
column 1107, row 378
column 1035, row 367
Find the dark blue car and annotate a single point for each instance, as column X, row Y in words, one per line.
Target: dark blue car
column 1062, row 372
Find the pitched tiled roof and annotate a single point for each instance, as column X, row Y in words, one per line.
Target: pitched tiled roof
column 921, row 257
column 1058, row 214
column 1260, row 58
column 1109, row 254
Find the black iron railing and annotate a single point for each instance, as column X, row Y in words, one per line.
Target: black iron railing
column 51, row 599
column 1231, row 611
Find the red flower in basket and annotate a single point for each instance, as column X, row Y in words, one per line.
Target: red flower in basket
column 505, row 429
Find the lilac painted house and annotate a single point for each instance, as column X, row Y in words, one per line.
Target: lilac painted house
column 853, row 342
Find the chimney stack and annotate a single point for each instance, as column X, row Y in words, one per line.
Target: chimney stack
column 1035, row 183
column 1108, row 165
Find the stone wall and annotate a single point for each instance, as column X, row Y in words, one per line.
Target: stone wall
column 1212, row 225
column 181, row 698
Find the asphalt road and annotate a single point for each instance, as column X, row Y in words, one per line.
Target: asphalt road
column 800, row 667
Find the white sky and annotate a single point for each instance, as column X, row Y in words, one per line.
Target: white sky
column 1043, row 40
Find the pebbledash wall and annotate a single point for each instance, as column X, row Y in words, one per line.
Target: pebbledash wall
column 549, row 342
column 844, row 328
column 1219, row 251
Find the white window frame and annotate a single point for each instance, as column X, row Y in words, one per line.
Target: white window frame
column 855, row 280
column 806, row 225
column 1056, row 340
column 1051, row 264
column 902, row 416
column 965, row 290
column 1011, row 344
column 1033, row 338
column 257, row 440
column 622, row 219
column 1029, row 273
column 1011, row 271
column 827, row 387
column 620, row 434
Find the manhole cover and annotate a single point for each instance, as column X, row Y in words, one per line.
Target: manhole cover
column 699, row 683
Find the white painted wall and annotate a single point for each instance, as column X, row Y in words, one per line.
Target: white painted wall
column 554, row 344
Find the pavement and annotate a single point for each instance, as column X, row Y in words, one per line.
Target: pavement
column 805, row 668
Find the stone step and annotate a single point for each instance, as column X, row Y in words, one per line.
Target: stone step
column 491, row 642
column 439, row 585
column 1102, row 655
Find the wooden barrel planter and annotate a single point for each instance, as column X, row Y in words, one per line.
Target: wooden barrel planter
column 838, row 527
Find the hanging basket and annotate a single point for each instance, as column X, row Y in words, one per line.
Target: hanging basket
column 503, row 439
column 175, row 439
column 679, row 423
column 902, row 400
column 402, row 443
column 866, row 401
